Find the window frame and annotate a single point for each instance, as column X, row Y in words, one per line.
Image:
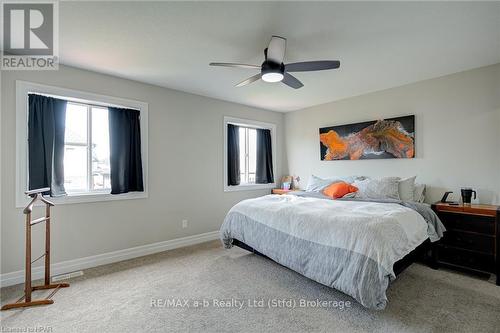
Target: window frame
column 247, row 153
column 89, row 148
column 23, row 88
column 250, row 124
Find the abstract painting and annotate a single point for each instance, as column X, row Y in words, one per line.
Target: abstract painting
column 386, row 138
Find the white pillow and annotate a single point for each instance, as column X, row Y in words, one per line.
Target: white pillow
column 317, row 184
column 350, row 195
column 419, row 193
column 407, row 188
column 384, row 188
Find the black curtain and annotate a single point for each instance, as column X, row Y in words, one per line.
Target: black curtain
column 125, row 150
column 233, row 154
column 46, row 126
column 264, row 167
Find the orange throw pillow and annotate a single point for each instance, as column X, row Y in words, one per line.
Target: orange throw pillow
column 338, row 190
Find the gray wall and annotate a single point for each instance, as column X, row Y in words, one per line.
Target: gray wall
column 457, row 133
column 185, row 172
column 457, row 144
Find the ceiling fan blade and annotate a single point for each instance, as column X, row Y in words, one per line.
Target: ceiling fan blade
column 307, row 66
column 292, row 81
column 249, row 80
column 276, row 49
column 228, row 64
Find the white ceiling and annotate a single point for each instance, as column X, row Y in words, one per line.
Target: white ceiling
column 380, row 45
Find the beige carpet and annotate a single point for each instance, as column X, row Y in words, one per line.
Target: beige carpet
column 118, row 297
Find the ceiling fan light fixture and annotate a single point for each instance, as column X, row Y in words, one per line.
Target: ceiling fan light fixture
column 274, row 70
column 272, row 77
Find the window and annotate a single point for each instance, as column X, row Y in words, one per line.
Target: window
column 247, row 153
column 86, row 160
column 86, row 149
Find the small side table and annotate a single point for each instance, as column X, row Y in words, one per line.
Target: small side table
column 472, row 239
column 281, row 191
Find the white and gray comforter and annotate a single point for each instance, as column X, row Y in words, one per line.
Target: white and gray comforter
column 348, row 245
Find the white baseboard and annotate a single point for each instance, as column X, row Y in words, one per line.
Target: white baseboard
column 9, row 279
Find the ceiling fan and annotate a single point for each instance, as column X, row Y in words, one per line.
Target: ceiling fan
column 274, row 70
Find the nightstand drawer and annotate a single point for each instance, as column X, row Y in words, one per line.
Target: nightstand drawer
column 469, row 241
column 474, row 223
column 464, row 258
column 472, row 239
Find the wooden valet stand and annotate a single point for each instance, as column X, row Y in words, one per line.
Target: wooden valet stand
column 28, row 289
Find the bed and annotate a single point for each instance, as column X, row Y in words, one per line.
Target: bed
column 355, row 246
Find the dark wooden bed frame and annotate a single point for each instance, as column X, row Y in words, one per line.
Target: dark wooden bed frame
column 423, row 253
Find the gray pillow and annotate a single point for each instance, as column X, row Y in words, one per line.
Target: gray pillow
column 419, row 193
column 407, row 188
column 384, row 188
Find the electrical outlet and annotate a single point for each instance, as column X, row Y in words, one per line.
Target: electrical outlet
column 184, row 224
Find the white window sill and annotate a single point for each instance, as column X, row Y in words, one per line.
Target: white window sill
column 248, row 187
column 89, row 197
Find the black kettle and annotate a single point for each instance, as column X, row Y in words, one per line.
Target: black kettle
column 467, row 195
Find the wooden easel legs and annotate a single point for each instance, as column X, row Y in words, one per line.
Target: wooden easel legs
column 28, row 289
column 30, row 302
column 51, row 286
column 26, row 304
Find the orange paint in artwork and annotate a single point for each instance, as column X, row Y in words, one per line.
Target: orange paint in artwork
column 337, row 147
column 355, row 155
column 398, row 136
column 384, row 134
column 402, row 143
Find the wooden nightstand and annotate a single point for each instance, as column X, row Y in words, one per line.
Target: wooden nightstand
column 472, row 239
column 280, row 191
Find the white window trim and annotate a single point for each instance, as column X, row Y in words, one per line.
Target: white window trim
column 22, row 90
column 255, row 124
